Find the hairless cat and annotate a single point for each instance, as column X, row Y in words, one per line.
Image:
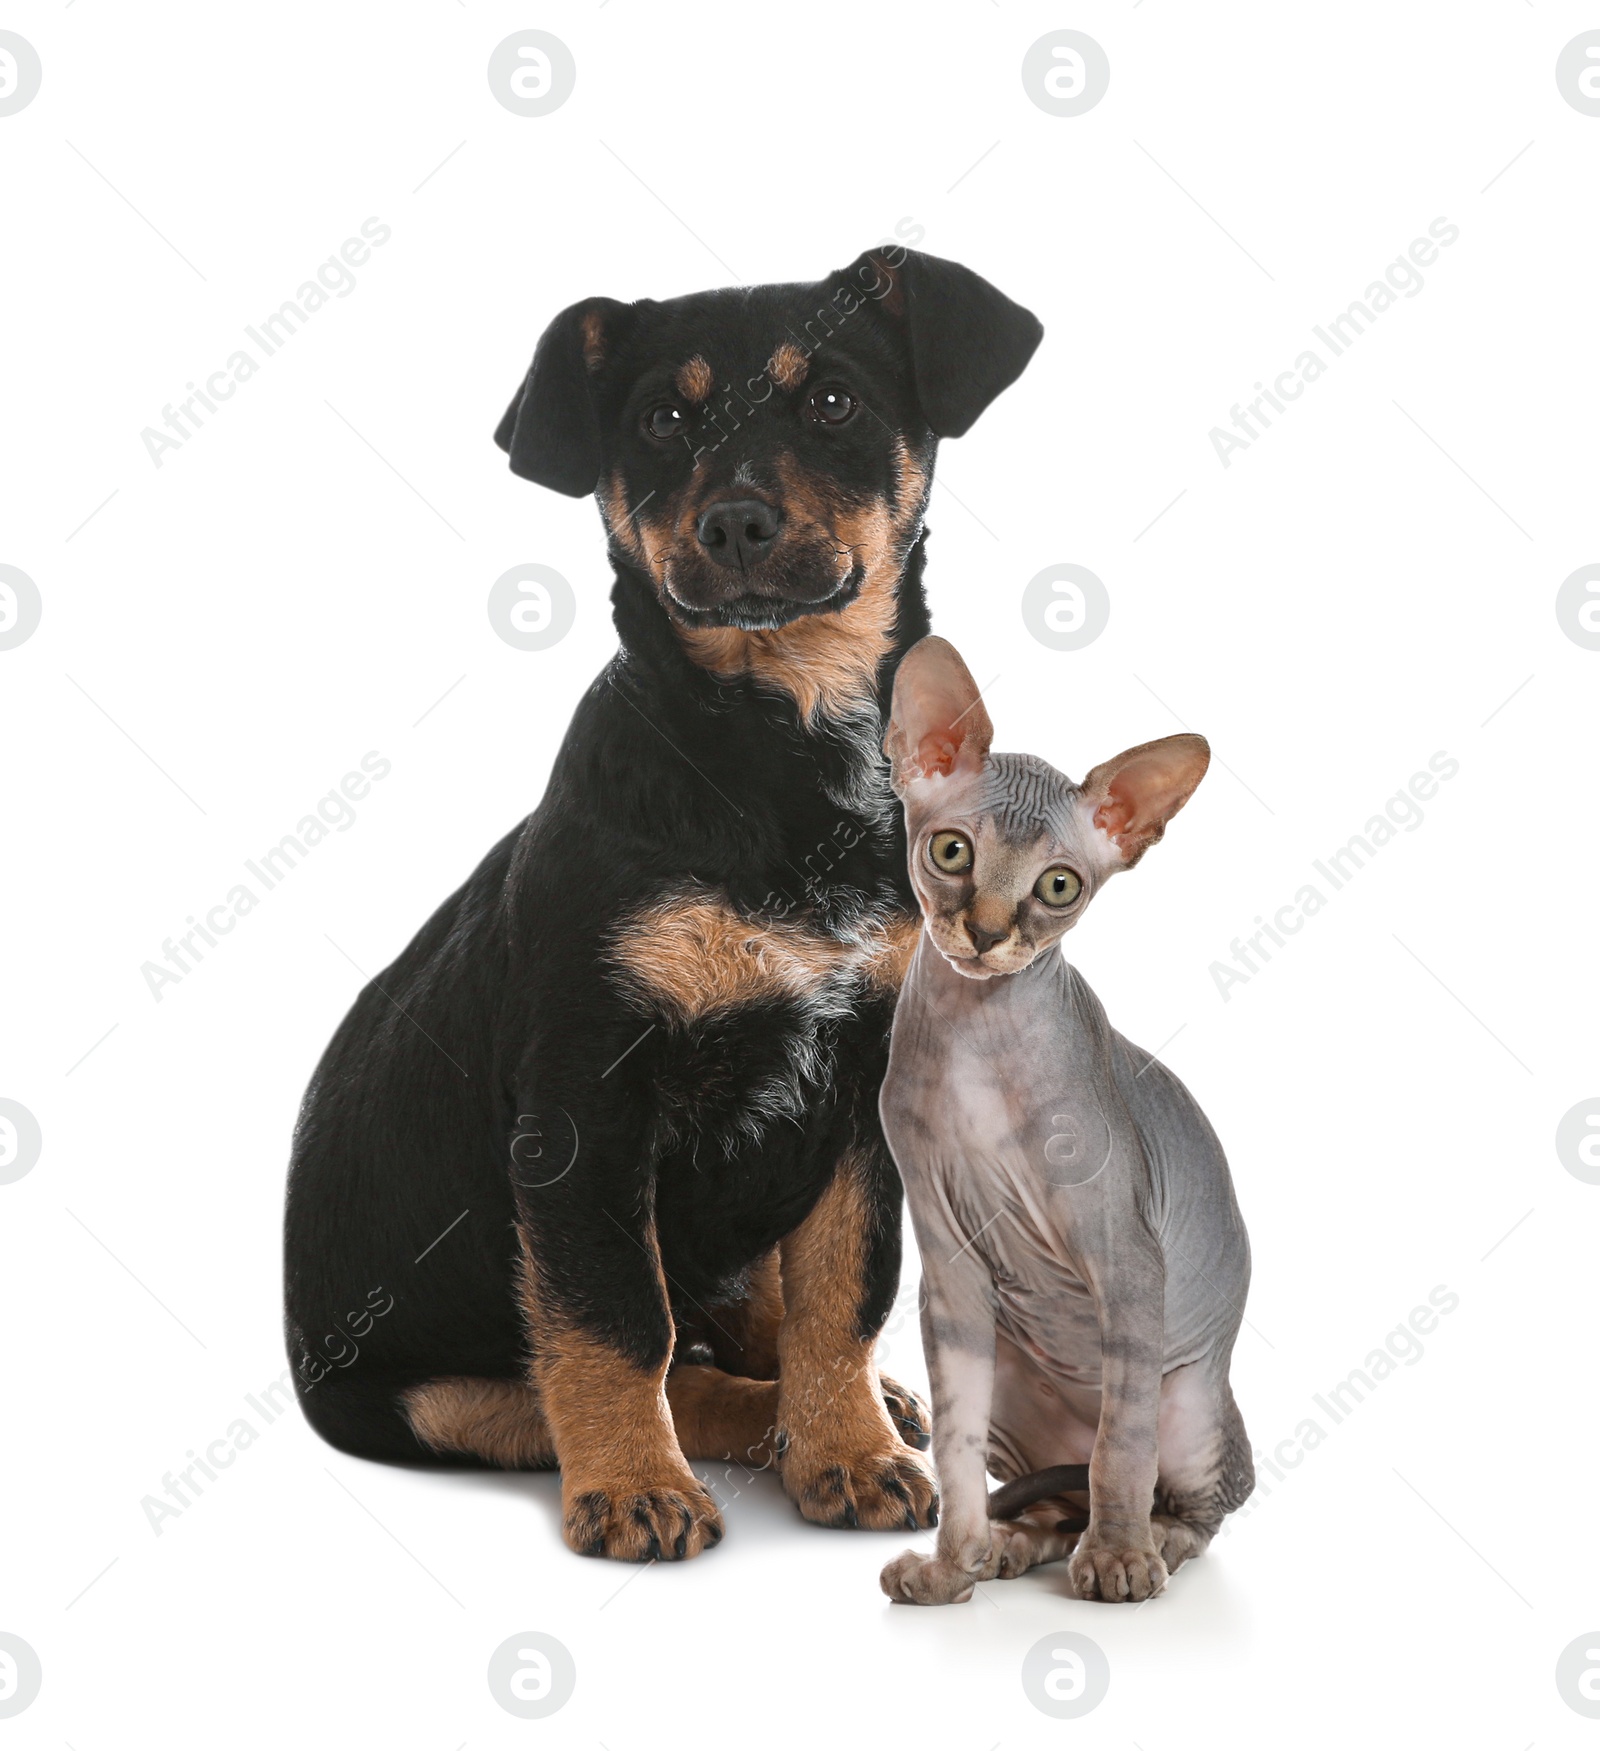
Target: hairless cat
column 1084, row 1262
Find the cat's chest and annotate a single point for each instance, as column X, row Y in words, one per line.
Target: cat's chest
column 1051, row 1131
column 997, row 1076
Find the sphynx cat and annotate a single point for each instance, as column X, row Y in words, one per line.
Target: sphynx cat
column 1084, row 1261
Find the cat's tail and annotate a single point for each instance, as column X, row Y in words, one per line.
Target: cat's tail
column 1037, row 1486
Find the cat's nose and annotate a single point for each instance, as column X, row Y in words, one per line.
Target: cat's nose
column 984, row 940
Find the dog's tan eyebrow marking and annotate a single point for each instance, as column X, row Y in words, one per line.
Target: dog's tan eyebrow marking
column 694, row 379
column 788, row 365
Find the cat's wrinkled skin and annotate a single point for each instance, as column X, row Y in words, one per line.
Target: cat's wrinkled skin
column 1084, row 1261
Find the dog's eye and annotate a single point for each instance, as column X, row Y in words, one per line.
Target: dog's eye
column 665, row 421
column 831, row 406
column 1059, row 886
column 950, row 853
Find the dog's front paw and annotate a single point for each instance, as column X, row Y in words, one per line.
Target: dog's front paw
column 1116, row 1567
column 642, row 1523
column 913, row 1579
column 881, row 1488
column 908, row 1413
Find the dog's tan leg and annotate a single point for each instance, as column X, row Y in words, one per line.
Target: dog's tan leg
column 843, row 1463
column 626, row 1489
column 721, row 1416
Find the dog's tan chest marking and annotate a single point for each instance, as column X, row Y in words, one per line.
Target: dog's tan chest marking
column 693, row 955
column 887, row 968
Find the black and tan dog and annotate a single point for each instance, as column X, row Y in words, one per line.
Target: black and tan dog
column 592, row 1175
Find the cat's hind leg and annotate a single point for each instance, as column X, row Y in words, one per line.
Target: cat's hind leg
column 1206, row 1470
column 1044, row 1533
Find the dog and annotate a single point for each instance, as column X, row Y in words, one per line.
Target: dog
column 603, row 1142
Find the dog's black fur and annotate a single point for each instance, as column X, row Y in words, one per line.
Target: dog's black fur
column 611, row 1109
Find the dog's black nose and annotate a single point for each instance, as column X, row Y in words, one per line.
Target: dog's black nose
column 984, row 940
column 738, row 531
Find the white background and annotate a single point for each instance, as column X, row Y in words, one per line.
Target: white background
column 1371, row 582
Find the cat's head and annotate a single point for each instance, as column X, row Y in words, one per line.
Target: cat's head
column 1005, row 851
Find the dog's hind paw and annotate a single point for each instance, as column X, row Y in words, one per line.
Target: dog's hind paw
column 908, row 1413
column 642, row 1524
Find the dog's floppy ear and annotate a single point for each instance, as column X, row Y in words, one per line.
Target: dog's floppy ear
column 967, row 340
column 551, row 431
column 937, row 723
column 1129, row 800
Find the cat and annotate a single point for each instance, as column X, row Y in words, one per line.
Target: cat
column 1084, row 1261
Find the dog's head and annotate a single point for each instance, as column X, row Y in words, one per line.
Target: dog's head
column 765, row 453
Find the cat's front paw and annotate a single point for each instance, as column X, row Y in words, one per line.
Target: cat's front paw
column 914, row 1579
column 1117, row 1566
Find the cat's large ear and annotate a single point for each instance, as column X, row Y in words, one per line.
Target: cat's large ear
column 1128, row 801
column 937, row 723
column 551, row 431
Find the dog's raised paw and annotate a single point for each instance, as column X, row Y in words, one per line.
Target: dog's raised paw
column 651, row 1523
column 908, row 1413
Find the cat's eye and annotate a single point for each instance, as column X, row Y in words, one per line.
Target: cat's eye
column 1059, row 886
column 665, row 421
column 950, row 853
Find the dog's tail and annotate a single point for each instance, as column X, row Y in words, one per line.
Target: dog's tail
column 1037, row 1486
